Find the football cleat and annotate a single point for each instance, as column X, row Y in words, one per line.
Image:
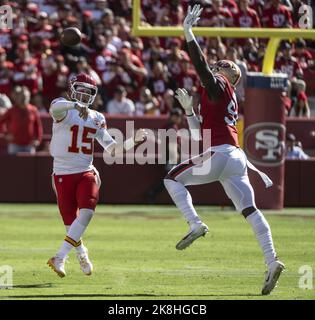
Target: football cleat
column 85, row 263
column 272, row 276
column 196, row 231
column 58, row 265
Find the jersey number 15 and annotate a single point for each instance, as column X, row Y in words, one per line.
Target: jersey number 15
column 84, row 139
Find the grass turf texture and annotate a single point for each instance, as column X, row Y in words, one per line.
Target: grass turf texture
column 134, row 255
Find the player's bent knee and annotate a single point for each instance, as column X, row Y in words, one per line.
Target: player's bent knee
column 248, row 211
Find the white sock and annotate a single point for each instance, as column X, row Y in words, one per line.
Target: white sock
column 263, row 234
column 183, row 200
column 75, row 232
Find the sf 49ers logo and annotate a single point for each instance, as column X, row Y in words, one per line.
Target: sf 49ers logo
column 264, row 143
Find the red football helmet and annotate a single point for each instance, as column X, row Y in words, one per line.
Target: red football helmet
column 82, row 88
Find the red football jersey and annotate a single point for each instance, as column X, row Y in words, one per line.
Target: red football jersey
column 220, row 116
column 248, row 19
column 277, row 17
column 289, row 66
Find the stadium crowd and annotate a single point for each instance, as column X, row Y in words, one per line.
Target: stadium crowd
column 137, row 76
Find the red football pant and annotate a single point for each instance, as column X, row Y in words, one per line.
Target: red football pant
column 75, row 191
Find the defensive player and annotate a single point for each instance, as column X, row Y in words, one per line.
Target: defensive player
column 75, row 179
column 224, row 161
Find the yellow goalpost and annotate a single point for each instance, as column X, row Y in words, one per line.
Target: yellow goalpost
column 275, row 35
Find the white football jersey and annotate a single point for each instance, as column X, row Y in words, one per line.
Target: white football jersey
column 72, row 142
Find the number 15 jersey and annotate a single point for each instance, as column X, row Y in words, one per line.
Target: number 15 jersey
column 220, row 116
column 72, row 142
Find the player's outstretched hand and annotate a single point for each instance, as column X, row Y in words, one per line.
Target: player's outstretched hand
column 83, row 110
column 140, row 136
column 185, row 100
column 192, row 17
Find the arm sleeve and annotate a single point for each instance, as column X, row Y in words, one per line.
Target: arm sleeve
column 206, row 76
column 59, row 108
column 105, row 139
column 194, row 127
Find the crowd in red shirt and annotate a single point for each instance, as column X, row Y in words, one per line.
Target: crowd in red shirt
column 31, row 54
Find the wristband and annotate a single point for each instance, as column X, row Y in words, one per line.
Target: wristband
column 189, row 35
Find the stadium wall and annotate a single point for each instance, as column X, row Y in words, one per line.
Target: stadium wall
column 28, row 178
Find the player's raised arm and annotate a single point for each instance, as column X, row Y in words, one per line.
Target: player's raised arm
column 198, row 59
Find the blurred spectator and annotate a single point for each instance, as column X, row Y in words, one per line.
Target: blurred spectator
column 303, row 56
column 212, row 56
column 120, row 104
column 98, row 103
column 55, row 77
column 276, row 15
column 113, row 76
column 5, row 103
column 246, row 17
column 22, row 123
column 26, row 71
column 6, row 73
column 286, row 99
column 217, row 15
column 147, row 105
column 175, row 57
column 84, row 67
column 187, row 78
column 288, row 64
column 134, row 67
column 168, row 102
column 159, row 81
column 301, row 105
column 294, row 148
column 253, row 55
column 102, row 55
column 38, row 101
column 87, row 19
column 152, row 52
column 107, row 17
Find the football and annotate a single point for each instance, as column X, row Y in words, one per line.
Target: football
column 71, row 37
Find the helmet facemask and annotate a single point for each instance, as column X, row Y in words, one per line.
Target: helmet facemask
column 84, row 93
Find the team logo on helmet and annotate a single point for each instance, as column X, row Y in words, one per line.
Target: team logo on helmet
column 229, row 69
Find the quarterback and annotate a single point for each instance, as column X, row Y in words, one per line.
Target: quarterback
column 226, row 162
column 75, row 180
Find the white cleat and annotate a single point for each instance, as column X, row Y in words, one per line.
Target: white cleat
column 85, row 263
column 196, row 231
column 272, row 276
column 58, row 265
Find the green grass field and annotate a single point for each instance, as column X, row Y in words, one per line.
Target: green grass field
column 134, row 255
